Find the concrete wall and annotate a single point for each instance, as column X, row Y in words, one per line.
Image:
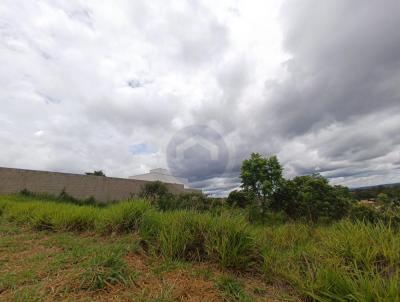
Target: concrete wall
column 79, row 186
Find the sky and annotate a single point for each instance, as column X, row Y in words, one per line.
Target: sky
column 112, row 85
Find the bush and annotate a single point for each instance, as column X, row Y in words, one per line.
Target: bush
column 238, row 199
column 157, row 193
column 327, row 263
column 312, row 198
column 370, row 214
column 230, row 242
column 47, row 215
column 177, row 237
column 154, row 191
column 2, row 207
column 364, row 213
column 195, row 201
column 174, row 235
column 75, row 219
column 63, row 197
column 123, row 217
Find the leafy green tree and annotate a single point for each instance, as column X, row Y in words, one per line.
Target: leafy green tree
column 313, row 198
column 261, row 177
column 96, row 173
column 238, row 199
column 364, row 213
column 154, row 191
column 383, row 198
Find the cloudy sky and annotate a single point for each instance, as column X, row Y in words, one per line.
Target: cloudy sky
column 88, row 85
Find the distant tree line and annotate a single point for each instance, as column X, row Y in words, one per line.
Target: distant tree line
column 371, row 193
column 265, row 189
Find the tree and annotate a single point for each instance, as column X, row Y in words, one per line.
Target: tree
column 154, row 191
column 383, row 198
column 238, row 199
column 261, row 177
column 312, row 197
column 96, row 173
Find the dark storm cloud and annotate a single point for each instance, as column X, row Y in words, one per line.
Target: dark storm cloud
column 340, row 97
column 345, row 59
column 336, row 110
column 82, row 84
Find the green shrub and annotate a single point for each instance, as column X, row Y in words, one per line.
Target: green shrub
column 154, row 190
column 342, row 262
column 76, row 218
column 159, row 196
column 175, row 235
column 364, row 213
column 193, row 201
column 21, row 213
column 3, row 205
column 63, row 197
column 313, row 198
column 229, row 241
column 239, row 199
column 26, row 192
column 123, row 217
column 45, row 215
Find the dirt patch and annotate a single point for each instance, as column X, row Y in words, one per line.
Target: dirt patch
column 155, row 279
column 187, row 288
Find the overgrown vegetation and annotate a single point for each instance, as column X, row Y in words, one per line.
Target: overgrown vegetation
column 302, row 233
column 63, row 197
column 105, row 269
column 309, row 197
column 157, row 193
column 391, row 191
column 355, row 260
column 232, row 289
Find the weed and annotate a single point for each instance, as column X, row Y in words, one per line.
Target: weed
column 123, row 217
column 105, row 270
column 232, row 289
column 346, row 260
column 164, row 296
column 230, row 242
column 28, row 294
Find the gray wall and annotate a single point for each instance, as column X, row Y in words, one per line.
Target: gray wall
column 79, row 186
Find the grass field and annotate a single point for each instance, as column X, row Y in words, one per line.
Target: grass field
column 132, row 252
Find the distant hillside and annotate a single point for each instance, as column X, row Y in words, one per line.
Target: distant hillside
column 371, row 192
column 376, row 186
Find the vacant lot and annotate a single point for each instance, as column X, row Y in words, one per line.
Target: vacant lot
column 43, row 266
column 132, row 252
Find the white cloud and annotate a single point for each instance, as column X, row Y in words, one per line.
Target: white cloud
column 81, row 82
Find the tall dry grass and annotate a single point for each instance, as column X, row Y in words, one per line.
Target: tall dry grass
column 344, row 261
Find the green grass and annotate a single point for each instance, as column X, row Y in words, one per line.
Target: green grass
column 344, row 261
column 232, row 289
column 105, row 269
